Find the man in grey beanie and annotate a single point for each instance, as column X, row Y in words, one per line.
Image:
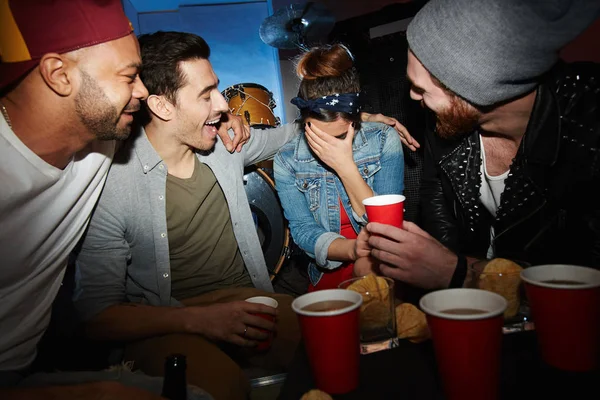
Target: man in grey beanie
column 512, row 162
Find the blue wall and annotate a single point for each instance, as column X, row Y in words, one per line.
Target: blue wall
column 229, row 27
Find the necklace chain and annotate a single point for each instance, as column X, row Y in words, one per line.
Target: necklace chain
column 5, row 114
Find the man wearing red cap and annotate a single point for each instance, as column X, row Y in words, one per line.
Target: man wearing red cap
column 69, row 85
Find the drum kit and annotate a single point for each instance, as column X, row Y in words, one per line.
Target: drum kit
column 293, row 26
column 254, row 104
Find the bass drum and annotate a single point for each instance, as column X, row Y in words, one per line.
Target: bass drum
column 271, row 226
column 254, row 103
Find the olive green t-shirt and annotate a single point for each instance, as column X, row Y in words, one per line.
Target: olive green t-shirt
column 203, row 251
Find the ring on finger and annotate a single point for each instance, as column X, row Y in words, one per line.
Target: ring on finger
column 245, row 330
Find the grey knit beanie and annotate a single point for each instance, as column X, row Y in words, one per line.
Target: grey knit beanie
column 488, row 51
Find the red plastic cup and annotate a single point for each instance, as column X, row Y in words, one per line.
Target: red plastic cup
column 566, row 316
column 467, row 346
column 386, row 209
column 268, row 301
column 331, row 339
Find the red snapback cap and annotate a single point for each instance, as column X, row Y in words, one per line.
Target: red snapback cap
column 31, row 28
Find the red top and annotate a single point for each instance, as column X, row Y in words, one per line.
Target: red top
column 331, row 279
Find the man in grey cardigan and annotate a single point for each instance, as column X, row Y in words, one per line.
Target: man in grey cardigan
column 172, row 251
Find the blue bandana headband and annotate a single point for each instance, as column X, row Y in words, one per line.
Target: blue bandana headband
column 345, row 102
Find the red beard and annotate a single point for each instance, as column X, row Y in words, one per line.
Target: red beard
column 458, row 120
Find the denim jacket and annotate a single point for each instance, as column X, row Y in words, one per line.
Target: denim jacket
column 310, row 192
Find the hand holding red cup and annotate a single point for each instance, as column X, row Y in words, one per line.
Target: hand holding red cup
column 385, row 209
column 268, row 301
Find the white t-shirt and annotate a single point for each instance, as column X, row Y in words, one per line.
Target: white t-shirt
column 43, row 214
column 490, row 192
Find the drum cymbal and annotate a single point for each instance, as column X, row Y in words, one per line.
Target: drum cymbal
column 297, row 25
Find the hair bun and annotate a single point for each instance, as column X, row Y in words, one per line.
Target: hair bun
column 325, row 62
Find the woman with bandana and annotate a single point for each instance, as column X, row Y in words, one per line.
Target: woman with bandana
column 323, row 175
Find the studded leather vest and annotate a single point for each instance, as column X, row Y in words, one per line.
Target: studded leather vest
column 549, row 211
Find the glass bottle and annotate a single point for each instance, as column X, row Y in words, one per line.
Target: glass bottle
column 174, row 381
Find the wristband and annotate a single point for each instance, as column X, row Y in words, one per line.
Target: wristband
column 460, row 272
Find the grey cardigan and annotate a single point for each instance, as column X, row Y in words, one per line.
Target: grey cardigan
column 125, row 253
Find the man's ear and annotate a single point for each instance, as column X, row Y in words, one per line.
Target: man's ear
column 161, row 107
column 58, row 73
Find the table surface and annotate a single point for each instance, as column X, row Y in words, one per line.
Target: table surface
column 409, row 372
